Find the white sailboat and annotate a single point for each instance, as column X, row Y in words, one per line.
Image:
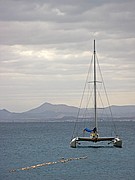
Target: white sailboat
column 94, row 133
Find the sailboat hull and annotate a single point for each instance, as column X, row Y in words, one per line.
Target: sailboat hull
column 73, row 143
column 117, row 142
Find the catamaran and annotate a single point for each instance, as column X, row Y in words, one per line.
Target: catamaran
column 93, row 134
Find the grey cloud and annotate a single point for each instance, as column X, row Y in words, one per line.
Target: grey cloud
column 45, row 46
column 36, row 22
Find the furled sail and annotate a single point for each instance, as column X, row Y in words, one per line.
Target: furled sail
column 89, row 130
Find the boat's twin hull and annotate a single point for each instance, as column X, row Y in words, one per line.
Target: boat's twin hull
column 117, row 142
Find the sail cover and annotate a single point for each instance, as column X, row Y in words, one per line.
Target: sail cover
column 88, row 130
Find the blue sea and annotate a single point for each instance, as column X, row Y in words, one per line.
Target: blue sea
column 28, row 144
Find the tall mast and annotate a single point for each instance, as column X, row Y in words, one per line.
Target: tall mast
column 95, row 91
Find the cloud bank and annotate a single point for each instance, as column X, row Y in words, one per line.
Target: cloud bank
column 45, row 48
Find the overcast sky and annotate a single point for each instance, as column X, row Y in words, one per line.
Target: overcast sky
column 46, row 45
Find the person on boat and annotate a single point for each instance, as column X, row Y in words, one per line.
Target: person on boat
column 94, row 133
column 95, row 129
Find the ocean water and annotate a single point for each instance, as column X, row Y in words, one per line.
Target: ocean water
column 27, row 144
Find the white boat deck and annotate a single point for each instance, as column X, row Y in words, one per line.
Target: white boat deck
column 96, row 139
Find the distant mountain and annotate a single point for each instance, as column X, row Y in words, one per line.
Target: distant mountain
column 61, row 112
column 59, row 108
column 4, row 114
column 123, row 111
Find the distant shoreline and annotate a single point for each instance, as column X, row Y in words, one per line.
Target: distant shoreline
column 63, row 113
